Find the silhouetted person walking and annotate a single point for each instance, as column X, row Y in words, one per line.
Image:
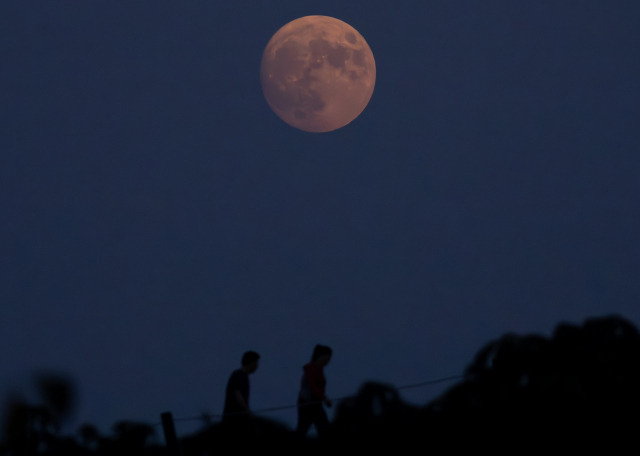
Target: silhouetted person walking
column 312, row 392
column 236, row 402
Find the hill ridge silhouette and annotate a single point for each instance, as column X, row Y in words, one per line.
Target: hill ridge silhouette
column 579, row 386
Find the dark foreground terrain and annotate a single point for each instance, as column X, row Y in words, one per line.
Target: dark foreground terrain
column 579, row 388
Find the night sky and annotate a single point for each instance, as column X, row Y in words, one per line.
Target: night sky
column 157, row 219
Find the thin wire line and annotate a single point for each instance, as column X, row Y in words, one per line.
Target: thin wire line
column 431, row 382
column 210, row 416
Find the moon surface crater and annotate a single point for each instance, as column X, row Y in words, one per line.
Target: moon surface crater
column 317, row 73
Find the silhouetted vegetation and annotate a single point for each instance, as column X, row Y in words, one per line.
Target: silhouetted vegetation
column 579, row 387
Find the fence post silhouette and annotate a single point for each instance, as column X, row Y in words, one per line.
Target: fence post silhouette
column 170, row 434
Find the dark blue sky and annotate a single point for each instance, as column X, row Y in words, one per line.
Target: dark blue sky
column 157, row 219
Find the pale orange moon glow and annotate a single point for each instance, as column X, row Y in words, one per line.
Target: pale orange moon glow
column 317, row 73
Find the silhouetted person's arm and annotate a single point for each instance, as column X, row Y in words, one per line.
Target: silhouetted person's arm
column 241, row 402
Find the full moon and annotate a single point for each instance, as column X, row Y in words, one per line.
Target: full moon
column 317, row 73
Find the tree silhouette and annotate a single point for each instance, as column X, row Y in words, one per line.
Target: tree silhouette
column 578, row 387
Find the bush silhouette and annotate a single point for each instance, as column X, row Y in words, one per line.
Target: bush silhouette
column 580, row 386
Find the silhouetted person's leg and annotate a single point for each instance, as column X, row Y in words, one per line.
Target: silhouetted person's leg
column 320, row 420
column 309, row 414
column 304, row 420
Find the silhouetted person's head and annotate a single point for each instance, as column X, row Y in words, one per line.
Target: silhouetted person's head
column 250, row 361
column 321, row 355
